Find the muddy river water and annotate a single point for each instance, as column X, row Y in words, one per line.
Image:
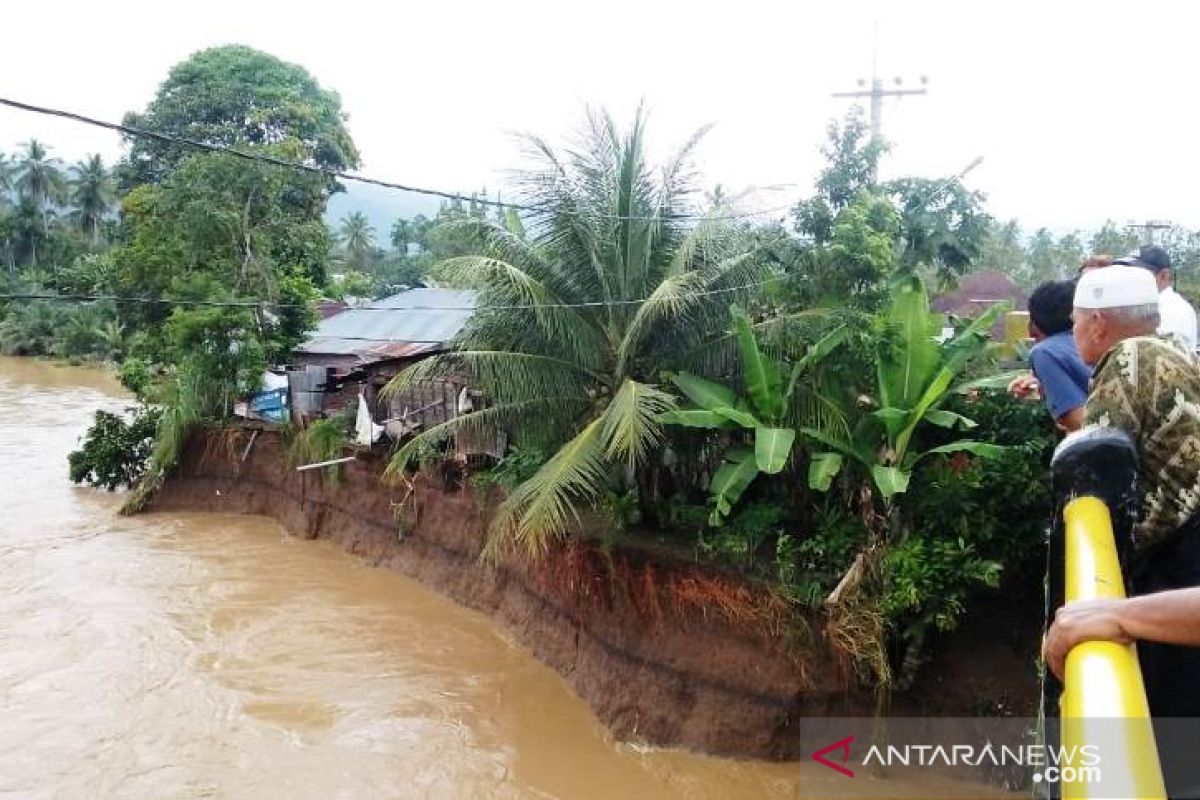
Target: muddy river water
column 199, row 655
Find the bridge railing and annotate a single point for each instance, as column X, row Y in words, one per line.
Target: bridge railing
column 1103, row 697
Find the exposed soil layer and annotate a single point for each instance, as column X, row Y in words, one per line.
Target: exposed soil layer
column 665, row 652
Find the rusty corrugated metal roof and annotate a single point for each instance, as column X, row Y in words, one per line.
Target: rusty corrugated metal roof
column 404, row 325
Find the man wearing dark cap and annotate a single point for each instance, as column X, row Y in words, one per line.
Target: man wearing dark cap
column 1176, row 315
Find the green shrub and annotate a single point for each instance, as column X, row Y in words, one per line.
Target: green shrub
column 322, row 440
column 514, row 468
column 115, row 452
column 739, row 541
column 135, row 375
column 931, row 577
column 807, row 568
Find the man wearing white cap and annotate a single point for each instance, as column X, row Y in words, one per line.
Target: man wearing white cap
column 1149, row 387
column 1146, row 385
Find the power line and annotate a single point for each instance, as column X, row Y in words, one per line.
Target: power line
column 130, row 130
column 92, row 298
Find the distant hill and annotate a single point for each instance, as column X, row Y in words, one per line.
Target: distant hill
column 381, row 206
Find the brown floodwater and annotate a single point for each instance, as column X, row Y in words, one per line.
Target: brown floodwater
column 201, row 655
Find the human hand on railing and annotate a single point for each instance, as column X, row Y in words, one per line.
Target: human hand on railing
column 1083, row 621
column 1025, row 387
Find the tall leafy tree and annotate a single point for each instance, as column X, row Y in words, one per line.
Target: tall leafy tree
column 1004, row 250
column 219, row 227
column 1113, row 240
column 92, row 195
column 578, row 321
column 858, row 259
column 238, row 96
column 942, row 227
column 851, row 164
column 1050, row 259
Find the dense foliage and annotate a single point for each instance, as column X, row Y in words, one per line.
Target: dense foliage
column 772, row 399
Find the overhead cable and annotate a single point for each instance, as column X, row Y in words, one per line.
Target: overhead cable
column 133, row 131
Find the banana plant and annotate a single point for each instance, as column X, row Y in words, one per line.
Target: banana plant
column 915, row 371
column 763, row 411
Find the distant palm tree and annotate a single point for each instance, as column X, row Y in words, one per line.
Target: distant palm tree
column 31, row 330
column 402, row 234
column 40, row 180
column 358, row 237
column 26, row 232
column 91, row 194
column 110, row 336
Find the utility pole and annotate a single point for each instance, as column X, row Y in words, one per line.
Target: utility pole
column 877, row 93
column 1148, row 228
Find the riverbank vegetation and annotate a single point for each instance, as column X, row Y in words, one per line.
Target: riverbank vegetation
column 775, row 398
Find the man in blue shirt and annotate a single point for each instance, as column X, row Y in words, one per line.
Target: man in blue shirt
column 1060, row 373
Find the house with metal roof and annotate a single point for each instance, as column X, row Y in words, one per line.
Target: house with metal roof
column 359, row 350
column 401, row 327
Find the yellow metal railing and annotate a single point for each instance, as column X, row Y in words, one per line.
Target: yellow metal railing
column 1104, row 699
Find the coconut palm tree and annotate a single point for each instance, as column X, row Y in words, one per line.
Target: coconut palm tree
column 577, row 322
column 39, row 179
column 401, row 235
column 91, row 194
column 358, row 237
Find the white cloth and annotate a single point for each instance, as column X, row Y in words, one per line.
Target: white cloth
column 465, row 405
column 366, row 432
column 1176, row 316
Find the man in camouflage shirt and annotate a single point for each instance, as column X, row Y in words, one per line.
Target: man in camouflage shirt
column 1148, row 387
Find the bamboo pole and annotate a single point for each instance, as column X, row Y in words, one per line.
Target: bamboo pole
column 330, row 463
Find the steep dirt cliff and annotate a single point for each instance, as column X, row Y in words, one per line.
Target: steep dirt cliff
column 664, row 651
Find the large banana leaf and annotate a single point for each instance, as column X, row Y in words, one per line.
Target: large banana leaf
column 695, row 418
column 823, row 468
column 894, row 419
column 856, row 447
column 890, row 480
column 948, row 419
column 999, row 381
column 955, row 355
column 981, row 449
column 772, row 446
column 712, row 396
column 738, row 471
column 973, row 339
column 764, row 382
column 821, row 348
column 908, row 357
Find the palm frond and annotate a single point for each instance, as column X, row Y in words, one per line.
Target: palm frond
column 504, row 376
column 544, row 506
column 485, row 421
column 674, row 298
column 504, row 284
column 630, row 424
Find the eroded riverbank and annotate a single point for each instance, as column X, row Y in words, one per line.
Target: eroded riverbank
column 182, row 654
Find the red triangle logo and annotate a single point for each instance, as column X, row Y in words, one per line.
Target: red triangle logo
column 842, row 746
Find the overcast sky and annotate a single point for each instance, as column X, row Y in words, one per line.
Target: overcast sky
column 1080, row 109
